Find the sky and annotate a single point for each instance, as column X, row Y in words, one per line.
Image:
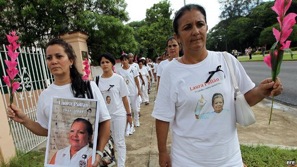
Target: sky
column 137, row 9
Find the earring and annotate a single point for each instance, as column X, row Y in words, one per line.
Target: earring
column 70, row 66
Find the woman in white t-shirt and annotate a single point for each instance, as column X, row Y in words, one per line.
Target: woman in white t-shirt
column 200, row 136
column 173, row 49
column 115, row 91
column 68, row 83
column 146, row 77
column 130, row 75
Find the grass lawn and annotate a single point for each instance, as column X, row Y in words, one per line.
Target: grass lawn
column 264, row 156
column 259, row 57
column 258, row 156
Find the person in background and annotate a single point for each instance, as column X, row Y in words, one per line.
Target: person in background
column 263, row 50
column 173, row 49
column 112, row 85
column 250, row 53
column 211, row 140
column 79, row 152
column 130, row 75
column 132, row 63
column 158, row 60
column 68, row 83
column 145, row 74
column 150, row 72
column 151, row 64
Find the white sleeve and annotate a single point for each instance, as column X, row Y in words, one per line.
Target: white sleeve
column 135, row 72
column 103, row 112
column 164, row 108
column 123, row 87
column 41, row 116
column 160, row 69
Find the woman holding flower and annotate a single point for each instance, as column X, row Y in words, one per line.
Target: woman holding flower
column 68, row 83
column 212, row 139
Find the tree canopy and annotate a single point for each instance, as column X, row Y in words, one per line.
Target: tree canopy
column 153, row 32
column 244, row 23
column 251, row 28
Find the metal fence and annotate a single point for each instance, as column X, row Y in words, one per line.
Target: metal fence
column 34, row 77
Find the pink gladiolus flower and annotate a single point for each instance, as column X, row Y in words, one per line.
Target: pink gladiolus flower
column 286, row 22
column 281, row 7
column 12, row 38
column 6, row 80
column 285, row 35
column 13, row 33
column 15, row 86
column 276, row 34
column 86, row 69
column 11, row 64
column 267, row 60
column 86, row 62
column 12, row 72
column 85, row 77
column 286, row 45
column 12, row 46
column 13, row 55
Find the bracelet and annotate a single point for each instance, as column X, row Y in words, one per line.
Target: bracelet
column 100, row 153
column 129, row 114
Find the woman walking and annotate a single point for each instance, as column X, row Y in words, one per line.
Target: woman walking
column 115, row 91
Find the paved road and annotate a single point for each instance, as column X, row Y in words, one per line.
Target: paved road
column 259, row 70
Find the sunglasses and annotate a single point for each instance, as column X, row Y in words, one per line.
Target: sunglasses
column 172, row 46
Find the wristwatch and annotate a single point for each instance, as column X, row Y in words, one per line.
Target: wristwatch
column 100, row 153
column 129, row 114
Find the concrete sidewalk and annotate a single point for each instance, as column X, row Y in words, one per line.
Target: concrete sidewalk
column 142, row 145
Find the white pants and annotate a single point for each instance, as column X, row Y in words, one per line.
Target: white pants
column 118, row 126
column 135, row 106
column 144, row 91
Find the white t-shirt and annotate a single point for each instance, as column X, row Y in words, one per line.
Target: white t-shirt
column 145, row 74
column 129, row 75
column 79, row 158
column 149, row 69
column 135, row 65
column 211, row 139
column 113, row 89
column 156, row 68
column 161, row 66
column 45, row 98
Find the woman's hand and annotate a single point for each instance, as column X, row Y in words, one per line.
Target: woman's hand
column 129, row 119
column 271, row 88
column 97, row 160
column 164, row 160
column 16, row 114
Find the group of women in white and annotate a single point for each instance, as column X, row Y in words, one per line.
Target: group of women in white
column 123, row 92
